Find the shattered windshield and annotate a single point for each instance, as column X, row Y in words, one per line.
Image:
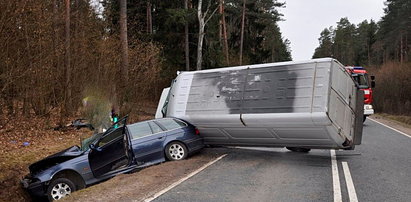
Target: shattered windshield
column 362, row 80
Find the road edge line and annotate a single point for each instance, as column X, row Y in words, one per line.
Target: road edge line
column 349, row 182
column 398, row 131
column 336, row 178
column 183, row 179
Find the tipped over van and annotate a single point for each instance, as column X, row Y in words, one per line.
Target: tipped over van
column 308, row 104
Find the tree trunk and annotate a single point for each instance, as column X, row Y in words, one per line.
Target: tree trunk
column 67, row 100
column 227, row 56
column 149, row 18
column 200, row 35
column 200, row 43
column 242, row 34
column 123, row 41
column 220, row 23
column 401, row 49
column 186, row 40
column 202, row 22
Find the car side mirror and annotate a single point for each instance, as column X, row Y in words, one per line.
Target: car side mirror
column 372, row 84
column 372, row 78
column 92, row 146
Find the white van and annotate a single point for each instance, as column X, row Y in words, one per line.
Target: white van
column 309, row 104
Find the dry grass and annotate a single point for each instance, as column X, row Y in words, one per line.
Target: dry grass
column 15, row 157
column 402, row 119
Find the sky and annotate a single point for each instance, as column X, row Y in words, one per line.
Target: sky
column 305, row 19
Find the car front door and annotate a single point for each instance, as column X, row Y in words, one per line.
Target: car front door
column 147, row 142
column 110, row 152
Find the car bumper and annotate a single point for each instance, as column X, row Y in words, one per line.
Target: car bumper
column 195, row 145
column 35, row 188
column 368, row 110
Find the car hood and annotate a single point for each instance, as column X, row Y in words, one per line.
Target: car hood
column 55, row 159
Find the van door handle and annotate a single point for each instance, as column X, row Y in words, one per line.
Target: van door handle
column 160, row 138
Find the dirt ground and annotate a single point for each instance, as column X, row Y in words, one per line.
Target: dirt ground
column 146, row 182
column 24, row 141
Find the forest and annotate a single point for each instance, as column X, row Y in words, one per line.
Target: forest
column 383, row 47
column 55, row 53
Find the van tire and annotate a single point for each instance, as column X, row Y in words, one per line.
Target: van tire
column 298, row 149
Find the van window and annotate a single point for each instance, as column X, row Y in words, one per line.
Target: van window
column 138, row 130
column 171, row 124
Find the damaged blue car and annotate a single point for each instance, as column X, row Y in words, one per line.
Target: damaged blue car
column 121, row 149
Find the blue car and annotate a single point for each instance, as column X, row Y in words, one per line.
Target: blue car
column 122, row 148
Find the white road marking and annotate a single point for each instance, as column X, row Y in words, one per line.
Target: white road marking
column 350, row 184
column 336, row 178
column 391, row 128
column 183, row 179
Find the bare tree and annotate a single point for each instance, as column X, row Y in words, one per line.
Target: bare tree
column 224, row 27
column 187, row 48
column 242, row 34
column 149, row 18
column 202, row 20
column 67, row 57
column 123, row 39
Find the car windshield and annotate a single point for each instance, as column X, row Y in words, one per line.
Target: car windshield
column 85, row 142
column 362, row 80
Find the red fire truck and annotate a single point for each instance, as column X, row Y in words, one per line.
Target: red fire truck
column 360, row 75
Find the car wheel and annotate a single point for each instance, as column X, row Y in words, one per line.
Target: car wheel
column 59, row 188
column 176, row 151
column 298, row 149
column 365, row 117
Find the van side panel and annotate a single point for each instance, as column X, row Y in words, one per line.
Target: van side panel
column 303, row 104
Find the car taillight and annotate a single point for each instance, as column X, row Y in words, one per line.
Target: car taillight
column 197, row 131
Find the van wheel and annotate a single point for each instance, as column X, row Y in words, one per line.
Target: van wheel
column 176, row 151
column 298, row 149
column 60, row 188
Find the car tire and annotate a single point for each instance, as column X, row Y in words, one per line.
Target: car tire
column 60, row 188
column 363, row 120
column 298, row 149
column 176, row 151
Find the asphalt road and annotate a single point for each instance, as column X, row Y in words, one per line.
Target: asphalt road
column 377, row 170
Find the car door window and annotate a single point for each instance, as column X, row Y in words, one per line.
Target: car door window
column 110, row 137
column 139, row 130
column 171, row 124
column 155, row 128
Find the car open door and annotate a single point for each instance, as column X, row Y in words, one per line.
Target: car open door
column 112, row 151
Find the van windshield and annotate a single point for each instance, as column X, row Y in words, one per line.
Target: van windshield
column 362, row 80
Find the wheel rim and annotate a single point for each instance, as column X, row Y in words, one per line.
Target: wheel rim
column 60, row 190
column 176, row 151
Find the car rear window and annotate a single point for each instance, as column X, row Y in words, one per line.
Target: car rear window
column 138, row 130
column 155, row 128
column 171, row 124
